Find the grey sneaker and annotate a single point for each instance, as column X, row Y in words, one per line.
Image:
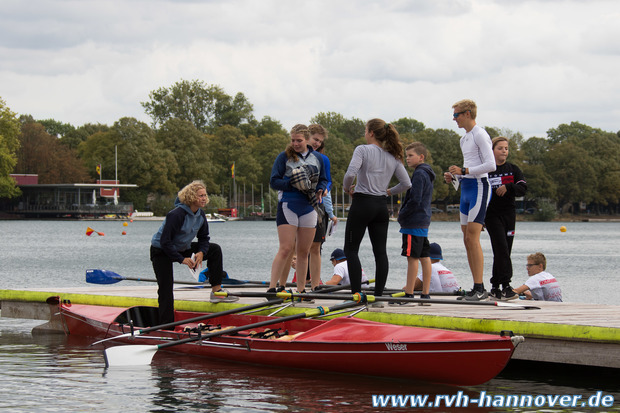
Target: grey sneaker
column 219, row 299
column 376, row 304
column 474, row 295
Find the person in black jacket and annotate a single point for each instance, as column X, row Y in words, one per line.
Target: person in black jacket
column 507, row 182
column 173, row 243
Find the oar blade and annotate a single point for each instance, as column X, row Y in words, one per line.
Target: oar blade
column 95, row 276
column 138, row 355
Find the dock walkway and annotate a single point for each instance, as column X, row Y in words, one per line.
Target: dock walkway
column 567, row 333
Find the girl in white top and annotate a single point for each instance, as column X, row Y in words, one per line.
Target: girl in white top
column 374, row 165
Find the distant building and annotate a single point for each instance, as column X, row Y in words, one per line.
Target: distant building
column 65, row 200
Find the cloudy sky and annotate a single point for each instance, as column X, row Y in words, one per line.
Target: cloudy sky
column 530, row 65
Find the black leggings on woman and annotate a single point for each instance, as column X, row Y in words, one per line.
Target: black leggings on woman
column 367, row 211
column 162, row 266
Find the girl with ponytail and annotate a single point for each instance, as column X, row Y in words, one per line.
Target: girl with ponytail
column 374, row 165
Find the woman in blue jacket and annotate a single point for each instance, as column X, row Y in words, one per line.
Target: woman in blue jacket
column 173, row 243
column 299, row 174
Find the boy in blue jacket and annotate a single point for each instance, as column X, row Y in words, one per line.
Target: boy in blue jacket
column 415, row 218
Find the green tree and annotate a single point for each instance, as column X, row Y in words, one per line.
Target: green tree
column 74, row 137
column 142, row 160
column 41, row 153
column 206, row 106
column 265, row 149
column 269, row 126
column 349, row 130
column 534, row 150
column 9, row 145
column 190, row 149
column 56, row 128
column 572, row 169
column 229, row 145
column 408, row 125
column 575, row 131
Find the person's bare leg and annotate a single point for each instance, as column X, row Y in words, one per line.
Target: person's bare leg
column 315, row 264
column 305, row 236
column 286, row 238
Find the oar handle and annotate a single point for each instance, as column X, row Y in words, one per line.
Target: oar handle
column 212, row 315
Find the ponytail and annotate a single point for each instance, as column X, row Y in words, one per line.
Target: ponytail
column 387, row 136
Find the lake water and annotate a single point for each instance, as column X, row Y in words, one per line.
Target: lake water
column 55, row 373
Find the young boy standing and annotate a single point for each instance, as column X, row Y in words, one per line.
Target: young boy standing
column 415, row 218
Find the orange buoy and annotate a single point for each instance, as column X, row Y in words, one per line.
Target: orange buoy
column 125, row 224
column 124, row 233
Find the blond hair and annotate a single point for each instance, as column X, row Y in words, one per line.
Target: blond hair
column 188, row 196
column 298, row 129
column 466, row 105
column 538, row 258
column 315, row 128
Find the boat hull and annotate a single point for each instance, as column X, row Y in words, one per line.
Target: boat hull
column 343, row 345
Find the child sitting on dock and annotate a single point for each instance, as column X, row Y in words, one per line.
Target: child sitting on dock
column 415, row 218
column 541, row 285
column 341, row 269
column 442, row 279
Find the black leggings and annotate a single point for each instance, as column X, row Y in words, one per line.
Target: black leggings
column 501, row 231
column 162, row 266
column 367, row 211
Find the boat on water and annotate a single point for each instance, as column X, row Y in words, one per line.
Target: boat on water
column 343, row 344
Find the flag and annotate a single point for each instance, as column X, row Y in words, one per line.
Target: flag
column 232, row 169
column 99, row 169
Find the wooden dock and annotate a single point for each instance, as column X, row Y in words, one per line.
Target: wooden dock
column 566, row 333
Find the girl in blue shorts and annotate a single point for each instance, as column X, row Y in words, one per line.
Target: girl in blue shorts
column 296, row 217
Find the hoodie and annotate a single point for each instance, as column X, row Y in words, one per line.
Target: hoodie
column 179, row 229
column 416, row 210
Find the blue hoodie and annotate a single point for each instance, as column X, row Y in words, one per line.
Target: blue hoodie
column 179, row 229
column 416, row 210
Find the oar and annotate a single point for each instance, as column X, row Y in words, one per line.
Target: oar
column 437, row 293
column 168, row 326
column 95, row 276
column 331, row 288
column 89, row 232
column 142, row 354
column 370, row 298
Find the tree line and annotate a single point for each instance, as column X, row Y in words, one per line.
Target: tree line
column 198, row 131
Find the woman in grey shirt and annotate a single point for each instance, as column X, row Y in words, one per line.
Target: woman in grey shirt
column 374, row 165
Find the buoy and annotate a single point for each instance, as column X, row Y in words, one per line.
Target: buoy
column 125, row 224
column 131, row 220
column 124, row 232
column 562, row 228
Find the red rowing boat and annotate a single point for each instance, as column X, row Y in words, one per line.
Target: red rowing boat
column 344, row 344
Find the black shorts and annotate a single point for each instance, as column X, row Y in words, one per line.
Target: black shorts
column 321, row 227
column 415, row 247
